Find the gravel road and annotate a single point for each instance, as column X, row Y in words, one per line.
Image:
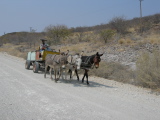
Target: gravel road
column 25, row 95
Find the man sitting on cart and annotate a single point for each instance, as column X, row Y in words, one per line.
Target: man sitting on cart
column 44, row 46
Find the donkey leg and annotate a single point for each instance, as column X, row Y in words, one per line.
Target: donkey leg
column 84, row 76
column 73, row 72
column 65, row 74
column 55, row 73
column 70, row 73
column 87, row 77
column 60, row 72
column 77, row 74
column 51, row 73
column 45, row 71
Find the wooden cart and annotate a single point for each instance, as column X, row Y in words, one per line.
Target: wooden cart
column 37, row 59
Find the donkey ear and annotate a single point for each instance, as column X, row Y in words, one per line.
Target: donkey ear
column 82, row 53
column 67, row 52
column 69, row 59
column 100, row 54
column 57, row 61
column 97, row 53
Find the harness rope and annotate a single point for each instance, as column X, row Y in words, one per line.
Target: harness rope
column 71, row 63
column 88, row 62
column 53, row 58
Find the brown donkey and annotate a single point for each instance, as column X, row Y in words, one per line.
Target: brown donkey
column 89, row 62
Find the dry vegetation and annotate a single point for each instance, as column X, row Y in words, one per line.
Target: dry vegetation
column 89, row 39
column 148, row 70
column 114, row 71
column 14, row 50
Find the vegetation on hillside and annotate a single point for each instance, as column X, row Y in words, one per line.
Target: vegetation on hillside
column 118, row 31
column 60, row 33
column 148, row 70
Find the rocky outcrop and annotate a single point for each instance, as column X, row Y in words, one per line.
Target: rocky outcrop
column 126, row 55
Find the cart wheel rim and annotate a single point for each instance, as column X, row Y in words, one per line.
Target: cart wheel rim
column 27, row 65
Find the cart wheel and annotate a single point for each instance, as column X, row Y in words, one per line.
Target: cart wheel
column 27, row 64
column 35, row 67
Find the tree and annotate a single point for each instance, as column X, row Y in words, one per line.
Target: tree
column 56, row 33
column 120, row 24
column 107, row 34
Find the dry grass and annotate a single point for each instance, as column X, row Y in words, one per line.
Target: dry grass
column 114, row 71
column 13, row 50
column 148, row 70
column 87, row 47
column 126, row 41
column 149, row 37
column 153, row 38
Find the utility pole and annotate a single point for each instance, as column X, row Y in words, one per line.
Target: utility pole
column 141, row 8
column 30, row 29
column 140, row 15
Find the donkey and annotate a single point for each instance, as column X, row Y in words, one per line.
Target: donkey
column 89, row 62
column 74, row 64
column 57, row 63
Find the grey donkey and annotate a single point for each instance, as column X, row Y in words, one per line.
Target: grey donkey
column 74, row 64
column 56, row 63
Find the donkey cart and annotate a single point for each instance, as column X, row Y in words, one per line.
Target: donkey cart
column 37, row 59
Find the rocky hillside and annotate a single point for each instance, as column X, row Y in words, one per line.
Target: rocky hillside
column 126, row 55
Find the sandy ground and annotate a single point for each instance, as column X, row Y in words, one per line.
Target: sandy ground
column 25, row 95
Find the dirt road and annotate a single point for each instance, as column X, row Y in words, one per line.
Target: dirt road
column 25, row 95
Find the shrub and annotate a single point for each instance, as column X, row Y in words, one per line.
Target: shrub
column 56, row 33
column 126, row 41
column 148, row 70
column 107, row 34
column 112, row 70
column 119, row 24
column 121, row 41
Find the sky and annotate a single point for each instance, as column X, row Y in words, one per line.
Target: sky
column 23, row 15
